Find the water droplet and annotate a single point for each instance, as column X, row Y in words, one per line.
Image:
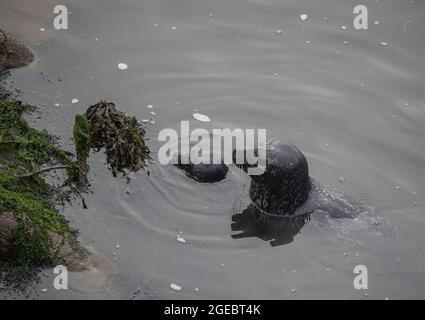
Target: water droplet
column 42, row 29
column 279, row 31
column 57, row 105
column 201, row 117
column 293, row 290
column 122, row 66
column 397, row 187
column 175, row 287
column 308, row 42
column 74, row 101
column 173, row 28
column 344, row 27
column 196, row 289
column 384, row 44
column 117, row 246
column 303, row 17
column 376, row 22
column 294, row 271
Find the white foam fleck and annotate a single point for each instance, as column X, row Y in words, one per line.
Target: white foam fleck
column 303, row 17
column 122, row 66
column 175, row 287
column 74, row 101
column 201, row 117
column 180, row 239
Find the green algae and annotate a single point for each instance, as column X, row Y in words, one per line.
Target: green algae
column 29, row 199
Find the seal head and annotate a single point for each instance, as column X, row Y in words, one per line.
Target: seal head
column 285, row 184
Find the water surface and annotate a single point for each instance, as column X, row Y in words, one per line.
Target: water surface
column 355, row 107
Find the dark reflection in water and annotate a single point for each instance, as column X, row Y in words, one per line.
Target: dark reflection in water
column 278, row 230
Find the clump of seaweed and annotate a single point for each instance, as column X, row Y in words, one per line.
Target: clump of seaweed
column 121, row 136
column 33, row 235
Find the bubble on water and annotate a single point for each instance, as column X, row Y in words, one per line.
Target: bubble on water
column 155, row 25
column 279, row 31
column 196, row 289
column 293, row 290
column 44, row 290
column 386, row 298
column 122, row 66
column 74, row 101
column 376, row 22
column 327, row 269
column 173, row 28
column 346, row 43
column 325, row 18
column 397, row 187
column 149, row 106
column 42, row 29
column 304, row 16
column 294, row 271
column 344, row 27
column 201, row 117
column 357, row 255
column 153, row 113
column 341, row 179
column 384, row 44
column 175, row 287
column 117, row 246
column 344, row 254
column 393, row 116
column 57, row 104
column 406, row 104
column 308, row 42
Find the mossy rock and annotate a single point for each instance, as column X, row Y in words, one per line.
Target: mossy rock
column 13, row 53
column 33, row 235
